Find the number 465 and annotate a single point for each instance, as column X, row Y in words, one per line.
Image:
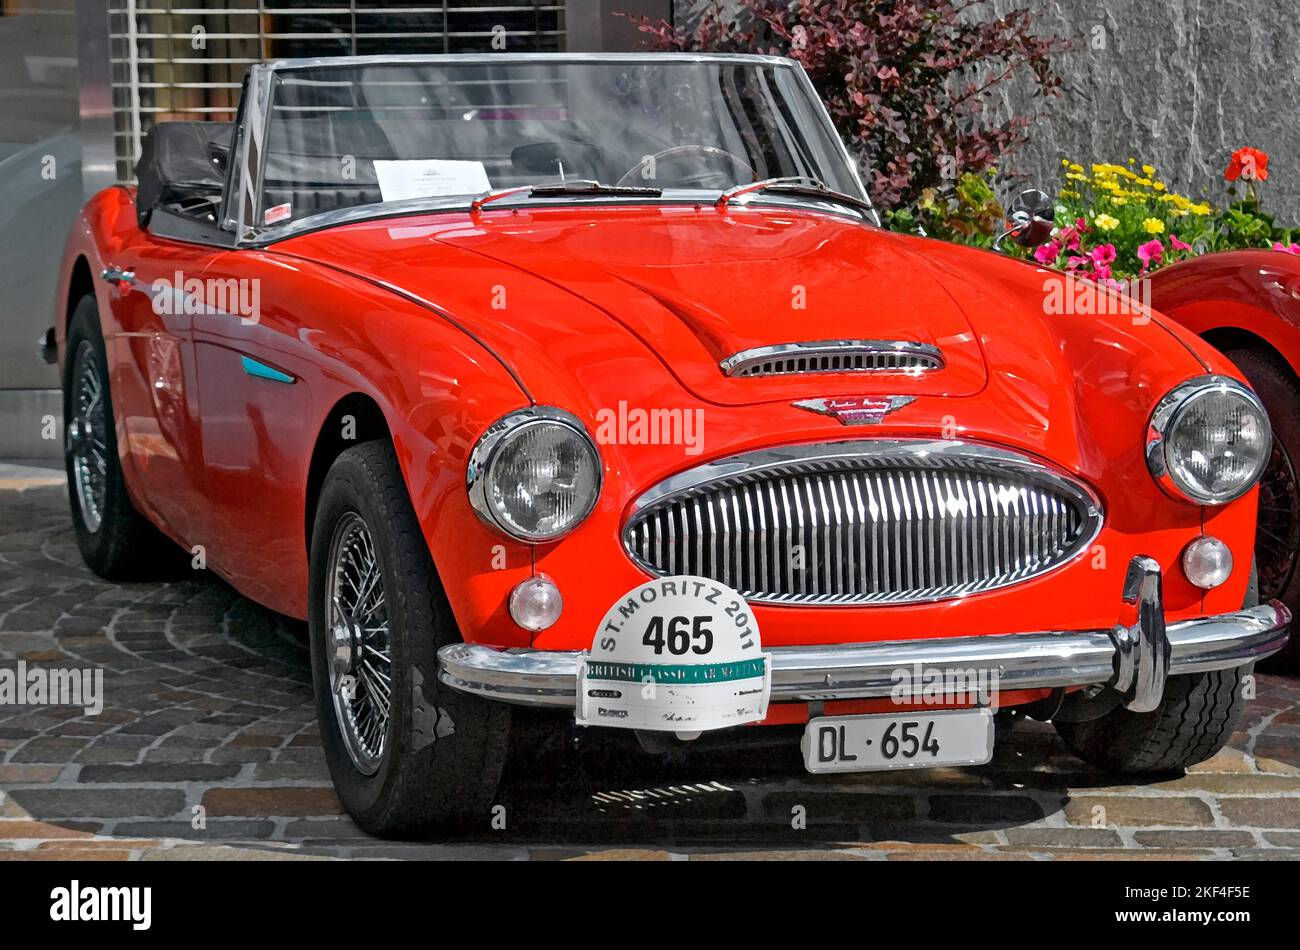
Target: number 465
column 684, row 633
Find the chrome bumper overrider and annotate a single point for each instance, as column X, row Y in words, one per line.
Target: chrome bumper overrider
column 1135, row 659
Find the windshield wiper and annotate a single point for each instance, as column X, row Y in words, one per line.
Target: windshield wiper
column 800, row 185
column 585, row 186
column 578, row 186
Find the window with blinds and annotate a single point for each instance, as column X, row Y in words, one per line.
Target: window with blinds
column 185, row 59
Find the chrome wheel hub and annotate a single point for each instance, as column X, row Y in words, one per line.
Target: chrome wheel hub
column 360, row 659
column 86, row 430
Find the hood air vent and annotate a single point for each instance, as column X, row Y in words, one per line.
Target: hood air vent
column 835, row 356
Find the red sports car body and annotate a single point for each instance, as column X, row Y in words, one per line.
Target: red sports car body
column 883, row 443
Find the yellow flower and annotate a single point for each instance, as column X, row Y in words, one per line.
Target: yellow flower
column 1073, row 177
column 1149, row 171
column 1076, row 168
column 1203, row 209
column 1132, row 161
column 1144, row 182
column 1107, row 223
column 1159, row 186
column 1120, row 202
column 1153, row 226
column 1065, row 163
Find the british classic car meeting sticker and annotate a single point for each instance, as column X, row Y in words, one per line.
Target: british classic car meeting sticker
column 677, row 654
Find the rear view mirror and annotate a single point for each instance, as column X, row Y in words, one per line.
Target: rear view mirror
column 562, row 159
column 1030, row 219
column 219, row 154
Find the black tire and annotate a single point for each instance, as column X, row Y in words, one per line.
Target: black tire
column 1277, row 549
column 119, row 543
column 441, row 759
column 1195, row 720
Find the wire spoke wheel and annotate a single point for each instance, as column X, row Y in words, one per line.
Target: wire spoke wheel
column 360, row 648
column 1278, row 538
column 87, row 438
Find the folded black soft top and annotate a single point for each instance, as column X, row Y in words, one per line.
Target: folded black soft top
column 176, row 163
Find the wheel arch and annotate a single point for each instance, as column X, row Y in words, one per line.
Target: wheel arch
column 354, row 419
column 1224, row 339
column 81, row 283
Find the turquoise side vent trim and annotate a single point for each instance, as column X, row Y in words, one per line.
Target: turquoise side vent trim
column 253, row 368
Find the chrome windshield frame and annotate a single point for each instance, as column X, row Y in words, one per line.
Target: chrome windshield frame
column 242, row 215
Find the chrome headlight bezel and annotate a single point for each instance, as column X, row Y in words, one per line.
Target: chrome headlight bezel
column 488, row 449
column 1165, row 418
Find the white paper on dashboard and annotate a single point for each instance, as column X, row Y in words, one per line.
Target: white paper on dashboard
column 429, row 178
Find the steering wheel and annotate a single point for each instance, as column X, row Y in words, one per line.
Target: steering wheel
column 701, row 180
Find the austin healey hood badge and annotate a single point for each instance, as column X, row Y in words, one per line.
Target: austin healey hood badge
column 856, row 410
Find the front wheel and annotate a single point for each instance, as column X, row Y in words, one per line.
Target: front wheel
column 1192, row 723
column 407, row 754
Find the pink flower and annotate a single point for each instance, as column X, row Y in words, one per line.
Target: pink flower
column 1178, row 245
column 1103, row 254
column 1151, row 252
column 1080, row 225
column 1046, row 254
column 1100, row 272
column 1288, row 248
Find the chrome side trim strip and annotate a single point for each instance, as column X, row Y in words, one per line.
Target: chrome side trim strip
column 1044, row 660
column 846, row 356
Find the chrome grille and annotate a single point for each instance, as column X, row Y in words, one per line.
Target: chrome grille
column 835, row 356
column 864, row 522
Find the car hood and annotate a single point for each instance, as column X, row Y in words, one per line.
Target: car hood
column 697, row 286
column 592, row 307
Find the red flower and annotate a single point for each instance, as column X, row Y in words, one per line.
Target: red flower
column 1248, row 163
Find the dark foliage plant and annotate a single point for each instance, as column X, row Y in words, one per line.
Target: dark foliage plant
column 909, row 83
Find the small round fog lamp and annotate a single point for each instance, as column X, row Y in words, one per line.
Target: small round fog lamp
column 535, row 604
column 1207, row 562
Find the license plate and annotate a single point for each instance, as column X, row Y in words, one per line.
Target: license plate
column 905, row 741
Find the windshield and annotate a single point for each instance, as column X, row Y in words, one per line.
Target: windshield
column 343, row 136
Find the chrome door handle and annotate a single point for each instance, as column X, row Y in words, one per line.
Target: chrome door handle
column 117, row 275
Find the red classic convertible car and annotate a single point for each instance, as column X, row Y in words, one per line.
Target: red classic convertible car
column 1247, row 303
column 592, row 384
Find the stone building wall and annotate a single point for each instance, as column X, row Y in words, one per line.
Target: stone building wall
column 1176, row 83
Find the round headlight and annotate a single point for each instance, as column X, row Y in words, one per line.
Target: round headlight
column 1209, row 440
column 534, row 474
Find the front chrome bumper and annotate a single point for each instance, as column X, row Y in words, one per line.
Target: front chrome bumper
column 1135, row 660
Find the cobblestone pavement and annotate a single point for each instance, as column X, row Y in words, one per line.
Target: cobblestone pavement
column 208, row 713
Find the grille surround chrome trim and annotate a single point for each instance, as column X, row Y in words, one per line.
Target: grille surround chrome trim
column 885, row 454
column 926, row 357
